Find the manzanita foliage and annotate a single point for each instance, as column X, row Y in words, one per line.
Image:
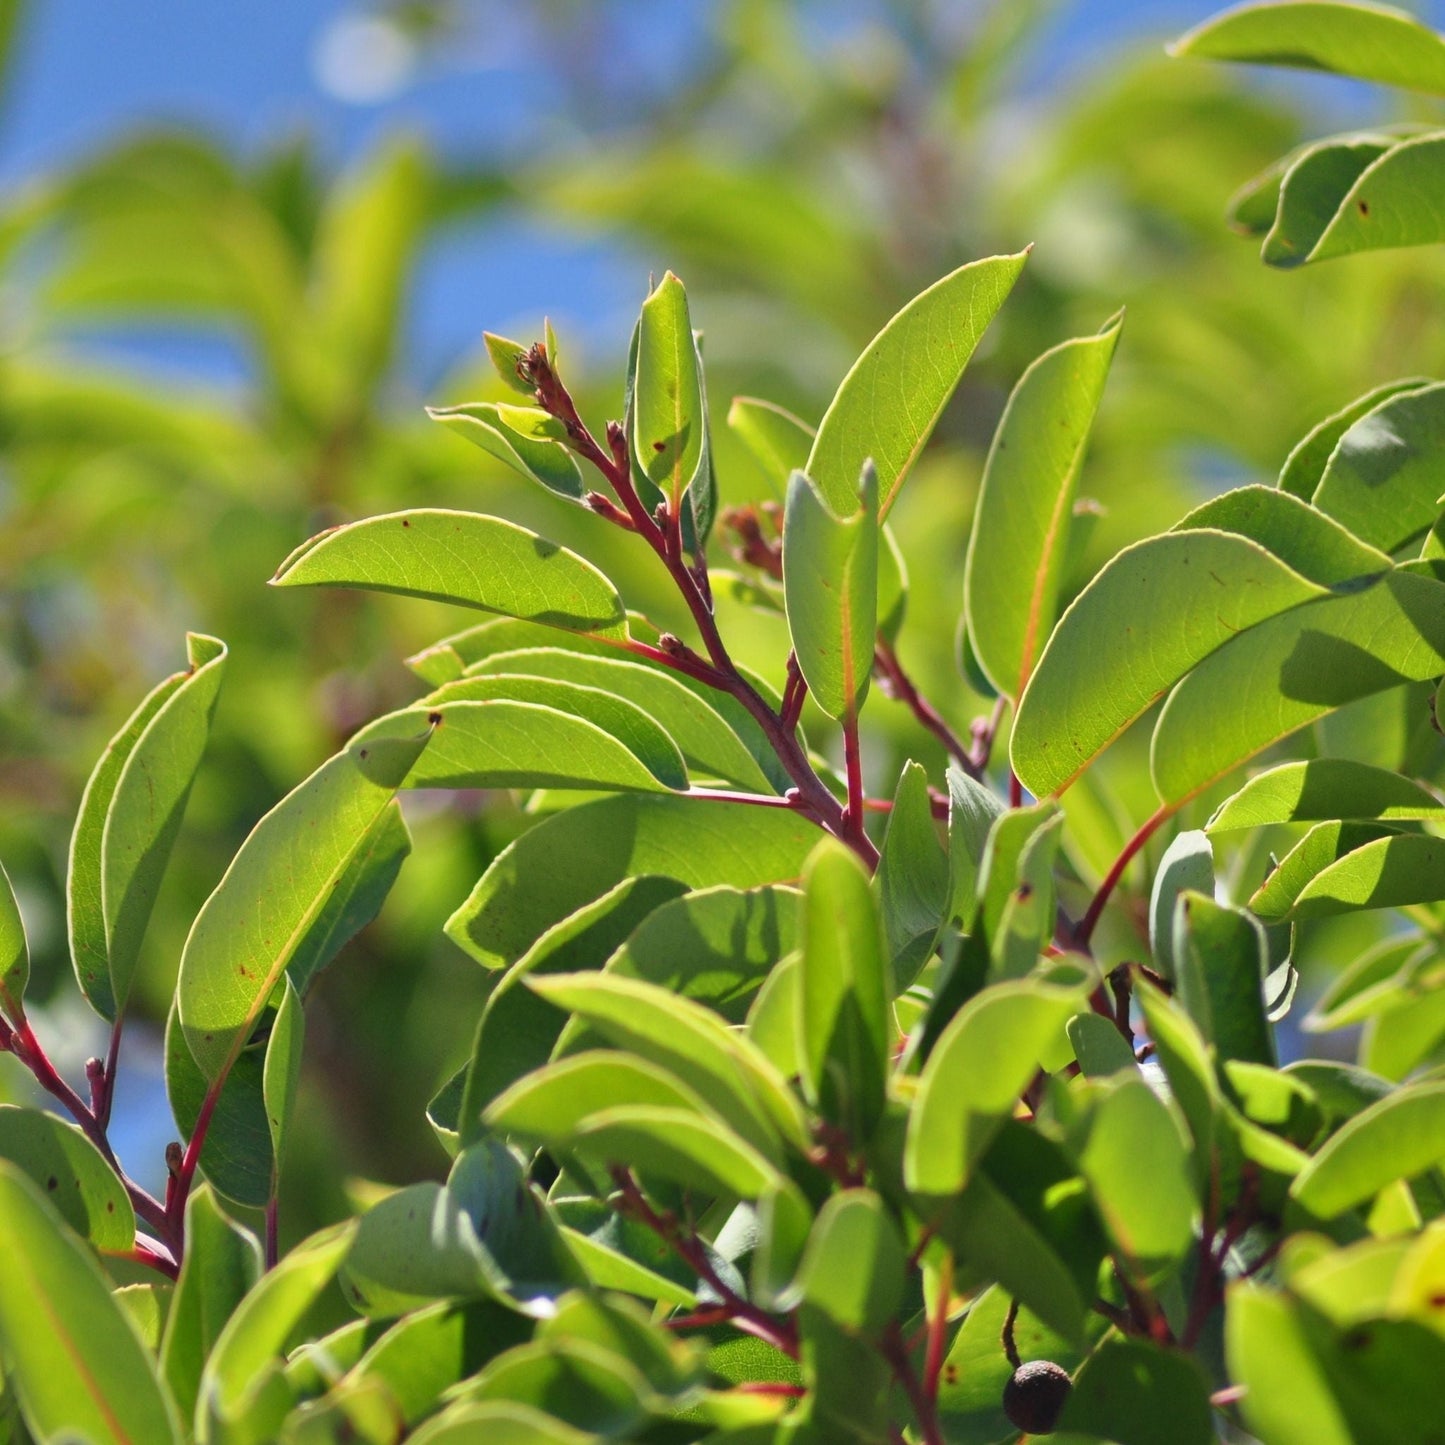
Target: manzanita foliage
column 799, row 1112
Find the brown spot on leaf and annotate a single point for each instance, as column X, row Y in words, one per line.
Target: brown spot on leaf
column 1364, row 208
column 52, row 1183
column 659, row 446
column 950, row 1374
column 406, row 521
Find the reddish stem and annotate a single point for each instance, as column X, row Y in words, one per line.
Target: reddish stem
column 853, row 830
column 273, row 1232
column 180, row 1187
column 925, row 1411
column 938, row 1330
column 897, row 684
column 155, row 1259
column 1085, row 931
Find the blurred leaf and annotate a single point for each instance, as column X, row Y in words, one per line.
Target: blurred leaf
column 1099, row 1047
column 499, row 1422
column 1188, row 863
column 1370, row 42
column 1397, row 1138
column 464, row 558
column 1310, row 189
column 1020, row 528
column 222, row 1263
column 14, row 952
column 573, row 858
column 888, row 404
column 1185, row 1059
column 777, row 440
column 80, row 1185
column 281, row 1073
column 1154, row 612
column 1140, row 1394
column 854, row 1264
column 85, row 1374
column 250, row 927
column 576, row 1381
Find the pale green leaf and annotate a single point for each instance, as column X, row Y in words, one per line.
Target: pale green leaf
column 1305, row 465
column 526, row 438
column 1324, row 788
column 281, row 1074
column 912, row 882
column 667, row 412
column 1188, row 863
column 504, row 356
column 1220, row 959
column 14, row 953
column 1156, row 610
column 854, row 1265
column 464, row 558
column 1389, row 872
column 1021, row 523
column 888, row 404
column 778, row 441
column 1275, row 898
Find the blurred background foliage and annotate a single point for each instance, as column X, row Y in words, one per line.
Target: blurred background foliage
column 211, row 347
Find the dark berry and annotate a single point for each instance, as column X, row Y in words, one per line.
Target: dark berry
column 1034, row 1396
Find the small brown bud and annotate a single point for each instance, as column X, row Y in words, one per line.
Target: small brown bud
column 1034, row 1397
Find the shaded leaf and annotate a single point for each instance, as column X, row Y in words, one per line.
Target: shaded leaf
column 14, row 952
column 1320, row 789
column 1188, row 863
column 281, row 1072
column 1138, row 1393
column 912, row 882
column 854, row 1265
column 1220, row 959
column 1275, row 898
column 1390, row 872
column 525, row 438
column 1305, row 465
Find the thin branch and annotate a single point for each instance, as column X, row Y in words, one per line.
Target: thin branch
column 154, row 1256
column 757, row 800
column 273, row 1232
column 985, row 730
column 1085, row 930
column 179, row 1188
column 925, row 1411
column 853, row 831
column 896, row 683
column 938, row 1330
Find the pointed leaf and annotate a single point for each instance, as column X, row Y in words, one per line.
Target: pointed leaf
column 128, row 821
column 526, row 438
column 573, row 858
column 667, row 401
column 1320, row 789
column 1157, row 610
column 830, row 578
column 888, row 404
column 1021, row 523
column 1293, row 668
column 463, row 558
column 222, row 1263
column 250, row 928
column 1370, row 42
column 72, row 1355
column 973, row 810
column 1100, row 1048
column 84, row 1190
column 504, row 356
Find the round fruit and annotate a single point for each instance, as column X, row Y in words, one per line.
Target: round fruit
column 1034, row 1396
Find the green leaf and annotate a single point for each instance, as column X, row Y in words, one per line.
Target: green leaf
column 498, row 1422
column 731, row 1076
column 1220, row 960
column 1017, row 888
column 1399, row 1137
column 236, row 1157
column 276, row 888
column 504, row 356
column 888, row 404
column 1315, row 545
column 576, row 1381
column 61, row 1162
column 526, row 438
column 72, row 1355
column 778, row 441
column 1381, row 479
column 222, row 1263
column 708, row 743
column 974, row 1076
column 1149, row 1213
column 830, row 578
column 854, row 1265
column 242, row 1387
column 517, row 742
column 1288, row 1397
column 715, row 946
column 1305, row 465
column 1099, row 1047
column 128, row 821
column 1188, row 863
column 519, row 1028
column 844, row 1027
column 573, row 858
column 1185, row 1059
column 14, row 953
column 1021, row 523
column 281, row 1073
column 622, row 1253
column 463, row 558
column 1137, row 1393
column 1156, row 610
column 1293, row 668
column 1370, row 42
column 1386, row 206
column 1379, row 979
column 1320, row 789
column 1275, row 898
column 1310, row 190
column 912, row 882
column 1390, row 872
column 973, row 810
column 668, row 415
